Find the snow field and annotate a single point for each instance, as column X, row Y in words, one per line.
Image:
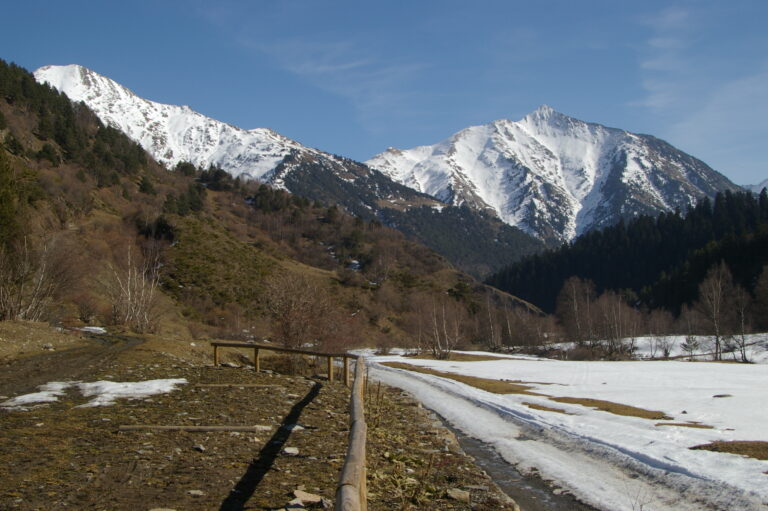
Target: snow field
column 610, row 461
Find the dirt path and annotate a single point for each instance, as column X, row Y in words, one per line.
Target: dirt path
column 26, row 374
column 61, row 455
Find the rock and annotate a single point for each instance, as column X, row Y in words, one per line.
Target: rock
column 307, row 498
column 48, row 347
column 476, row 487
column 198, row 448
column 294, row 427
column 196, row 493
column 291, row 451
column 162, row 509
column 457, row 494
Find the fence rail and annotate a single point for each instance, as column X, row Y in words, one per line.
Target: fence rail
column 258, row 348
column 352, row 492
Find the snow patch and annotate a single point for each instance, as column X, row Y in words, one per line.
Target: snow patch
column 104, row 393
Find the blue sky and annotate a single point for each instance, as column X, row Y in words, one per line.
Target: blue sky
column 355, row 77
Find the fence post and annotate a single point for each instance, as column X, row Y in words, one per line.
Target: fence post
column 330, row 369
column 215, row 355
column 256, row 360
column 346, row 370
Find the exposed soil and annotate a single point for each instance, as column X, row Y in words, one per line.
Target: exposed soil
column 61, row 456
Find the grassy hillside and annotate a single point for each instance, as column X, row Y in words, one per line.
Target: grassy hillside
column 111, row 237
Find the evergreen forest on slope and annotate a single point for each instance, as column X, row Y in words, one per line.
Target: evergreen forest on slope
column 655, row 262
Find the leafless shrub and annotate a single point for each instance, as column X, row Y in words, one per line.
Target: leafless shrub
column 31, row 276
column 132, row 286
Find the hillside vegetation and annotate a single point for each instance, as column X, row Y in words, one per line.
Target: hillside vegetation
column 93, row 230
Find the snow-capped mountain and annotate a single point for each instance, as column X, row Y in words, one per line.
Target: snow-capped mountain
column 176, row 133
column 758, row 187
column 172, row 133
column 554, row 176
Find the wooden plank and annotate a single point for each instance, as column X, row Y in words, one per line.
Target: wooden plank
column 215, row 355
column 157, row 427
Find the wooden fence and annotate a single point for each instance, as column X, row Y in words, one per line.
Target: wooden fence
column 258, row 348
column 351, row 492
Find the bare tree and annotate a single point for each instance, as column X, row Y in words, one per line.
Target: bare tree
column 742, row 303
column 617, row 321
column 658, row 327
column 575, row 305
column 31, row 276
column 494, row 330
column 714, row 291
column 446, row 320
column 132, row 286
column 301, row 311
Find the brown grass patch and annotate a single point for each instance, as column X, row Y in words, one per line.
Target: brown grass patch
column 508, row 387
column 614, row 408
column 545, row 408
column 486, row 384
column 753, row 449
column 458, row 357
column 685, row 425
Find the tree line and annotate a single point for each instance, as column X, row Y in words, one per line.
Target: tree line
column 703, row 272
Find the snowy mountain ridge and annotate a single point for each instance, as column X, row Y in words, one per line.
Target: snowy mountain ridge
column 758, row 187
column 172, row 133
column 554, row 176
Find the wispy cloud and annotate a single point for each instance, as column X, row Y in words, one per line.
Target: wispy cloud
column 666, row 68
column 702, row 106
column 378, row 87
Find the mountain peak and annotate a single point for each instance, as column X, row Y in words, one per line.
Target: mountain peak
column 545, row 114
column 552, row 175
column 171, row 133
column 544, row 111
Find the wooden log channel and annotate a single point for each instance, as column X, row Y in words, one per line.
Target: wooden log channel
column 352, row 490
column 257, row 352
column 193, row 429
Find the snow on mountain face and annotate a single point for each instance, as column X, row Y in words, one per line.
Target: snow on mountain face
column 172, row 133
column 758, row 187
column 554, row 176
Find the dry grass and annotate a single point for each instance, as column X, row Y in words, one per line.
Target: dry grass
column 614, row 408
column 685, row 425
column 486, row 384
column 545, row 408
column 518, row 387
column 752, row 449
column 26, row 338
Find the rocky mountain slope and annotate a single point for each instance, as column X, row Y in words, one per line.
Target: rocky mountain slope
column 554, row 176
column 172, row 134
